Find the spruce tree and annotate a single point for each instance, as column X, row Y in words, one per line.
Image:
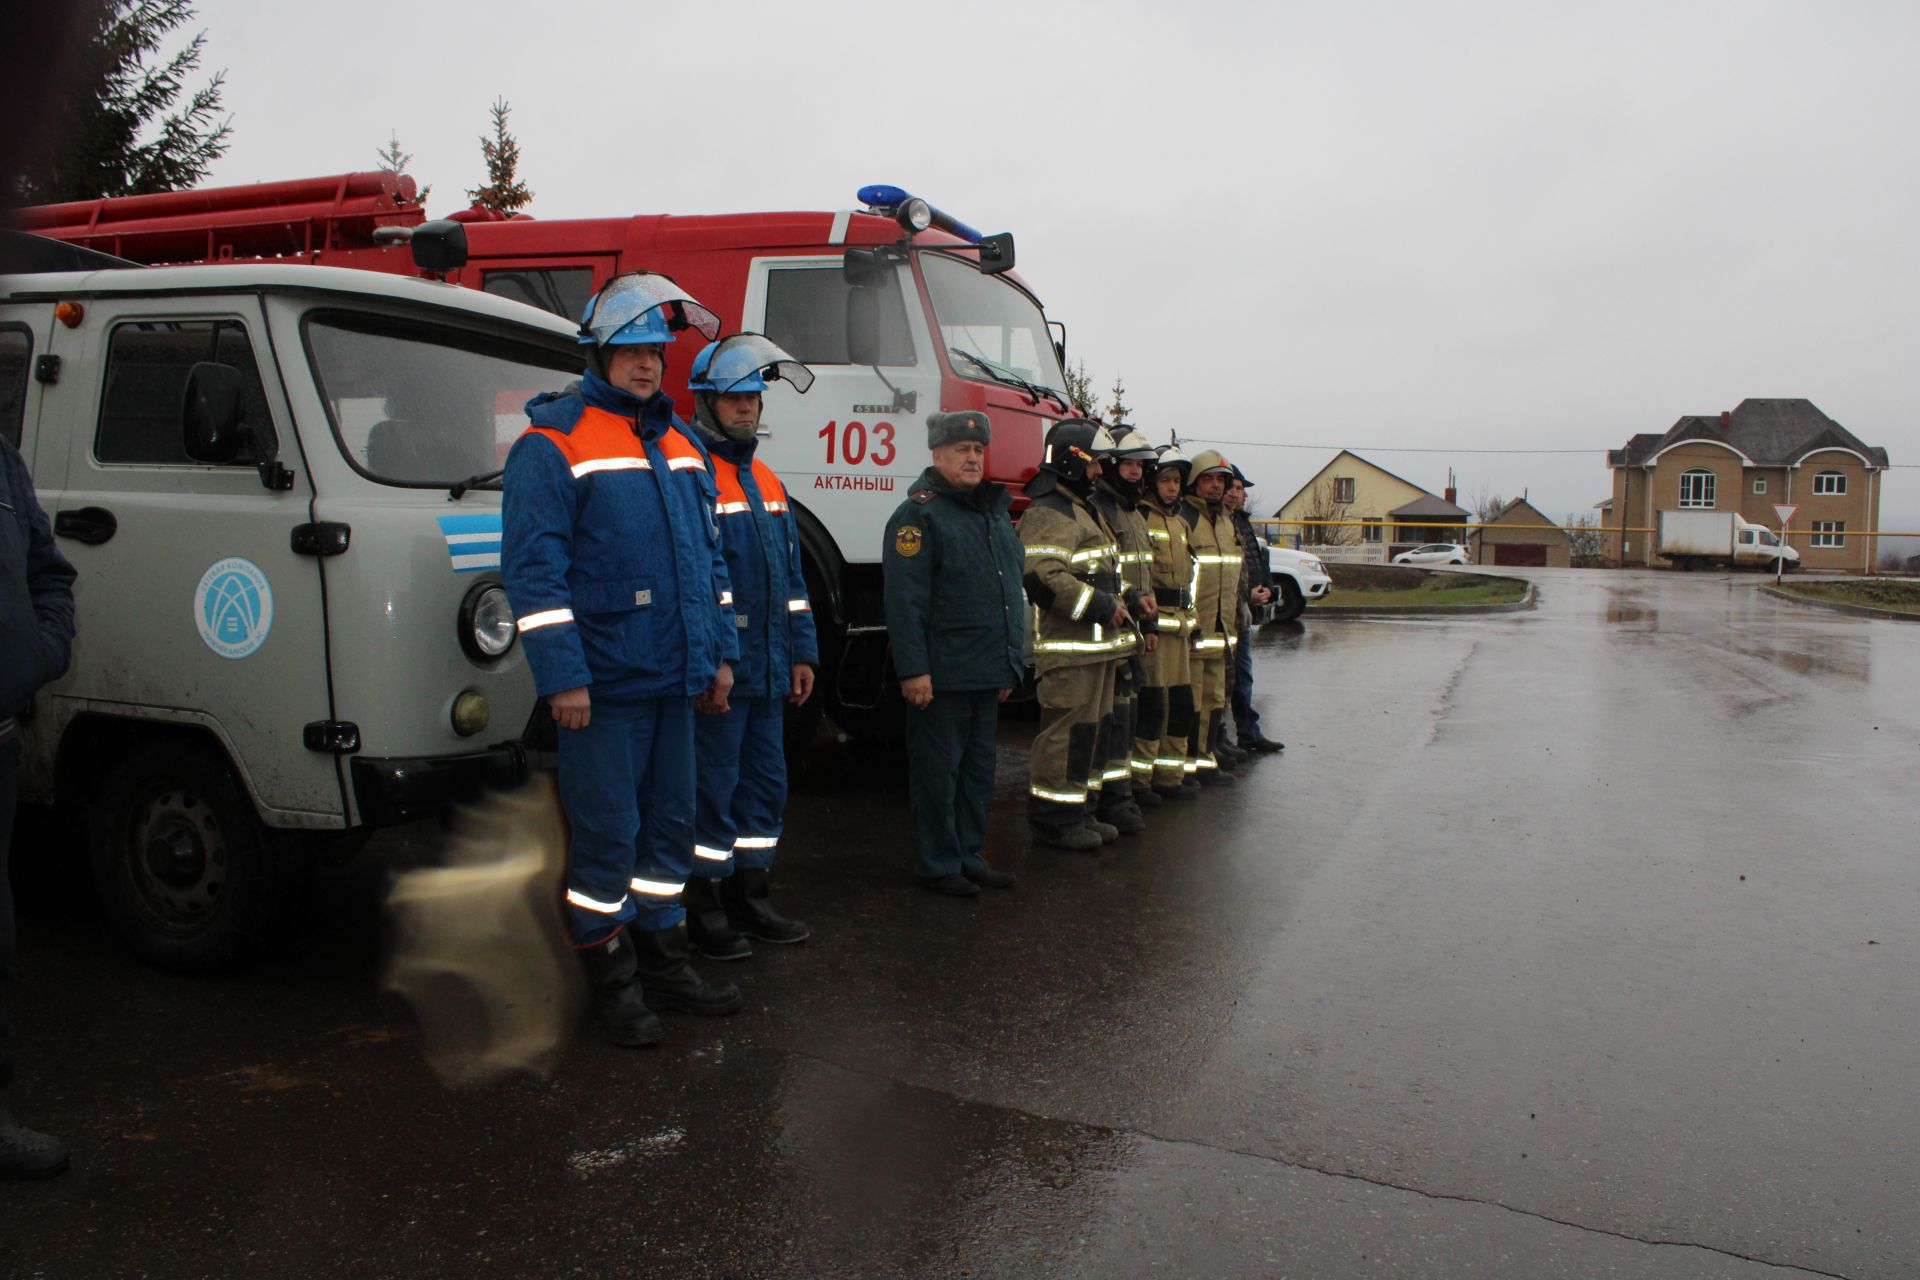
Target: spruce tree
column 503, row 192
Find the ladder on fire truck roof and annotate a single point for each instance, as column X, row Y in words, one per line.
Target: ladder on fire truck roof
column 297, row 219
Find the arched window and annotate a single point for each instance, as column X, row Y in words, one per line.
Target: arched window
column 1830, row 483
column 1696, row 488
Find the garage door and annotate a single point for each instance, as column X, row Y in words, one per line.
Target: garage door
column 1521, row 554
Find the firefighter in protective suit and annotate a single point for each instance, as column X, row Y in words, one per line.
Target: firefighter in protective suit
column 1080, row 626
column 620, row 591
column 1216, row 606
column 741, row 751
column 1166, row 700
column 1126, row 775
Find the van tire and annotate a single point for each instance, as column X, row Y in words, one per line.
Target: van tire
column 1292, row 602
column 187, row 874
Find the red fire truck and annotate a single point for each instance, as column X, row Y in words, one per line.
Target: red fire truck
column 900, row 310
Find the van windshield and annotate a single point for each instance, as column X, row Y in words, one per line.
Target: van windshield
column 425, row 405
column 993, row 322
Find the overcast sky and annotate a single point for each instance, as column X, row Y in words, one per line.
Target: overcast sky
column 1447, row 225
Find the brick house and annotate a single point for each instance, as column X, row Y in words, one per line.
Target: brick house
column 1761, row 453
column 1512, row 536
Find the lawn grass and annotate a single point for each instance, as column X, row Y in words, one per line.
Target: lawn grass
column 1895, row 596
column 1393, row 587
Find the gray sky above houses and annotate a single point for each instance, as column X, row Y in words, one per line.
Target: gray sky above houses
column 1456, row 226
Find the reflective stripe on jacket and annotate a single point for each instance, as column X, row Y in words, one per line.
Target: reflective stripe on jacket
column 1216, row 575
column 609, row 551
column 1072, row 579
column 761, row 540
column 1171, row 567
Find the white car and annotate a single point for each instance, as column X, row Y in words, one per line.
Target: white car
column 1434, row 553
column 1298, row 576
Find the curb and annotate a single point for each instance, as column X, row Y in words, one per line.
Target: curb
column 1419, row 610
column 1857, row 610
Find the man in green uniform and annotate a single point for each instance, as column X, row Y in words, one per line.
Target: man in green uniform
column 955, row 622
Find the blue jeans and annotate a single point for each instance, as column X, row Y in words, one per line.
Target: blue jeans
column 1246, row 721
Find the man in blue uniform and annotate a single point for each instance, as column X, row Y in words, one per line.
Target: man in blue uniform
column 955, row 621
column 742, row 750
column 36, row 636
column 619, row 588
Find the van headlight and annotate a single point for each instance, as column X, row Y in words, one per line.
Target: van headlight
column 486, row 622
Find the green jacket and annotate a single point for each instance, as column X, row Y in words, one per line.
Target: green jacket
column 954, row 609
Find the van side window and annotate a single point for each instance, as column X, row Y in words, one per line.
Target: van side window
column 807, row 316
column 16, row 356
column 561, row 290
column 147, row 364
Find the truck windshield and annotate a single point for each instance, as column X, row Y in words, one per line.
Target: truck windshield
column 419, row 404
column 994, row 322
column 1767, row 539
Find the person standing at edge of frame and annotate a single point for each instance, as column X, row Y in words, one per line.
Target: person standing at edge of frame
column 618, row 586
column 741, row 751
column 956, row 624
column 1256, row 589
column 36, row 639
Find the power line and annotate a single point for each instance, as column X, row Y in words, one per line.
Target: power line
column 1400, row 448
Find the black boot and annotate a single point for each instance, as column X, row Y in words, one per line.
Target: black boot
column 624, row 1016
column 671, row 983
column 744, row 895
column 707, row 927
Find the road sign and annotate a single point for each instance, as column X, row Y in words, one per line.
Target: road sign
column 1785, row 511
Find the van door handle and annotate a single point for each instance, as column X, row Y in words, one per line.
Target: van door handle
column 91, row 525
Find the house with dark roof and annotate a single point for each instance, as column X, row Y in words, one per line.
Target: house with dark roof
column 1514, row 535
column 1746, row 460
column 1350, row 501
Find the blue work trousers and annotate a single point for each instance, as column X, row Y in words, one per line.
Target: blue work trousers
column 1246, row 721
column 743, row 786
column 627, row 783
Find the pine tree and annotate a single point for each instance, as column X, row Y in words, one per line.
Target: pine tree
column 504, row 192
column 1080, row 391
column 1119, row 410
column 395, row 161
column 93, row 147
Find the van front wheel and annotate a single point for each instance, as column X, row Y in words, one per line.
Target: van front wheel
column 186, row 872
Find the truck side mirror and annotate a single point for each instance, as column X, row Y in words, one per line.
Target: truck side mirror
column 439, row 246
column 996, row 253
column 210, row 429
column 863, row 326
column 864, row 268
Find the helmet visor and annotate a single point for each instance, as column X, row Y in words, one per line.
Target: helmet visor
column 752, row 357
column 627, row 301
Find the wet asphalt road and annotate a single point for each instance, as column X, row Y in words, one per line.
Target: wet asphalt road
column 1578, row 942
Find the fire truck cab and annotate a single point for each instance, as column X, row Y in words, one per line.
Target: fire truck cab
column 899, row 309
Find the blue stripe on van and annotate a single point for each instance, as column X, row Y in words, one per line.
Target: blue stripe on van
column 473, row 542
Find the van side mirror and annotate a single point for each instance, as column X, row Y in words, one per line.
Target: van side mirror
column 210, row 429
column 996, row 253
column 439, row 246
column 863, row 326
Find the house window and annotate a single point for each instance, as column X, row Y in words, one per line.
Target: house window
column 1759, row 484
column 1829, row 533
column 1830, row 484
column 1371, row 528
column 1696, row 488
column 1343, row 488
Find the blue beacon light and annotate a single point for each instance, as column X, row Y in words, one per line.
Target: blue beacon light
column 881, row 195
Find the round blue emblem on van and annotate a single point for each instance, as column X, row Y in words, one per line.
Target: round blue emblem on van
column 233, row 607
